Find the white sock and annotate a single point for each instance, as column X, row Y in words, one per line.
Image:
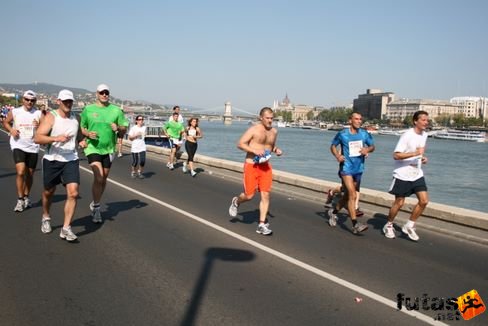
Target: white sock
column 410, row 224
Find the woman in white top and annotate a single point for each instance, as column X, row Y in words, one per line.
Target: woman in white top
column 137, row 133
column 192, row 133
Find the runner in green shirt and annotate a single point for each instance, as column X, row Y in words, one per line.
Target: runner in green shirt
column 174, row 131
column 100, row 123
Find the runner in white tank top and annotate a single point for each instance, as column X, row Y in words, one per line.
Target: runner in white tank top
column 21, row 123
column 60, row 130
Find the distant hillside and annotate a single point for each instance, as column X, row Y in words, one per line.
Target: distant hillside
column 41, row 88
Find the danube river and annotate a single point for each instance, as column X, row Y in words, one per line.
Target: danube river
column 456, row 173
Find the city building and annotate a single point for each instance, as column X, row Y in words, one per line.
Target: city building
column 299, row 112
column 472, row 106
column 372, row 105
column 400, row 109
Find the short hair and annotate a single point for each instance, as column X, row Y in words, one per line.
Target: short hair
column 417, row 115
column 353, row 113
column 264, row 110
column 175, row 107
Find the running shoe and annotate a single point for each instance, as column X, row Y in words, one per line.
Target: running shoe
column 410, row 231
column 171, row 166
column 133, row 175
column 359, row 227
column 264, row 229
column 389, row 231
column 27, row 203
column 140, row 175
column 184, row 169
column 46, row 225
column 19, row 207
column 193, row 173
column 95, row 213
column 330, row 196
column 359, row 213
column 67, row 234
column 332, row 217
column 233, row 207
column 119, row 155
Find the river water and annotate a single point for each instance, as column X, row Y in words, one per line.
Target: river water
column 456, row 173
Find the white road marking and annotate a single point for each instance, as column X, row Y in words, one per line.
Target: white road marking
column 296, row 262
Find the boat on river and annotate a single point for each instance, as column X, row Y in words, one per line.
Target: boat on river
column 391, row 132
column 466, row 135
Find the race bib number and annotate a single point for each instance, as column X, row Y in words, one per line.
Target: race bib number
column 355, row 148
column 26, row 132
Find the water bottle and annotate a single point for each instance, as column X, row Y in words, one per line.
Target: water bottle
column 419, row 162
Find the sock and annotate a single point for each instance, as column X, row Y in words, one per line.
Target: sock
column 354, row 222
column 410, row 224
column 20, row 198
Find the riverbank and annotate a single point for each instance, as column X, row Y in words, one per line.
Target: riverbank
column 315, row 189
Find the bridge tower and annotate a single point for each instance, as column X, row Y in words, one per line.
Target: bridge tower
column 227, row 113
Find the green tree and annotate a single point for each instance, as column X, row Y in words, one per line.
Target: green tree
column 310, row 115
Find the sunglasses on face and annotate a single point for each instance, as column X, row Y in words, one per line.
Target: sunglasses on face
column 104, row 93
column 139, row 119
column 30, row 100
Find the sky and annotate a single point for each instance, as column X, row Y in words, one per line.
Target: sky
column 204, row 53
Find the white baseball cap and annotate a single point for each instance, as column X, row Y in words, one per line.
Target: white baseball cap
column 102, row 87
column 65, row 94
column 30, row 95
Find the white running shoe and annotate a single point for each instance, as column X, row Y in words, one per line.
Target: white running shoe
column 19, row 207
column 233, row 207
column 332, row 217
column 46, row 225
column 193, row 173
column 184, row 168
column 95, row 213
column 119, row 155
column 389, row 230
column 359, row 227
column 67, row 234
column 27, row 203
column 410, row 231
column 264, row 229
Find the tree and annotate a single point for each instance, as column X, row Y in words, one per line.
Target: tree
column 310, row 115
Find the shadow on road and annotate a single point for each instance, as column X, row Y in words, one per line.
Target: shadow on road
column 112, row 209
column 211, row 255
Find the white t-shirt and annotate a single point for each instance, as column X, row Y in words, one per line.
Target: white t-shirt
column 63, row 152
column 409, row 169
column 180, row 118
column 24, row 123
column 138, row 144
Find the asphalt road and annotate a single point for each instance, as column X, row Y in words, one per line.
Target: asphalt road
column 169, row 254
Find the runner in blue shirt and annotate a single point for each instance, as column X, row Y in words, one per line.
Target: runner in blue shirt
column 356, row 143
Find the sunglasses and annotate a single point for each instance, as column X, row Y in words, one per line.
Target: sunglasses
column 104, row 93
column 139, row 119
column 30, row 100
